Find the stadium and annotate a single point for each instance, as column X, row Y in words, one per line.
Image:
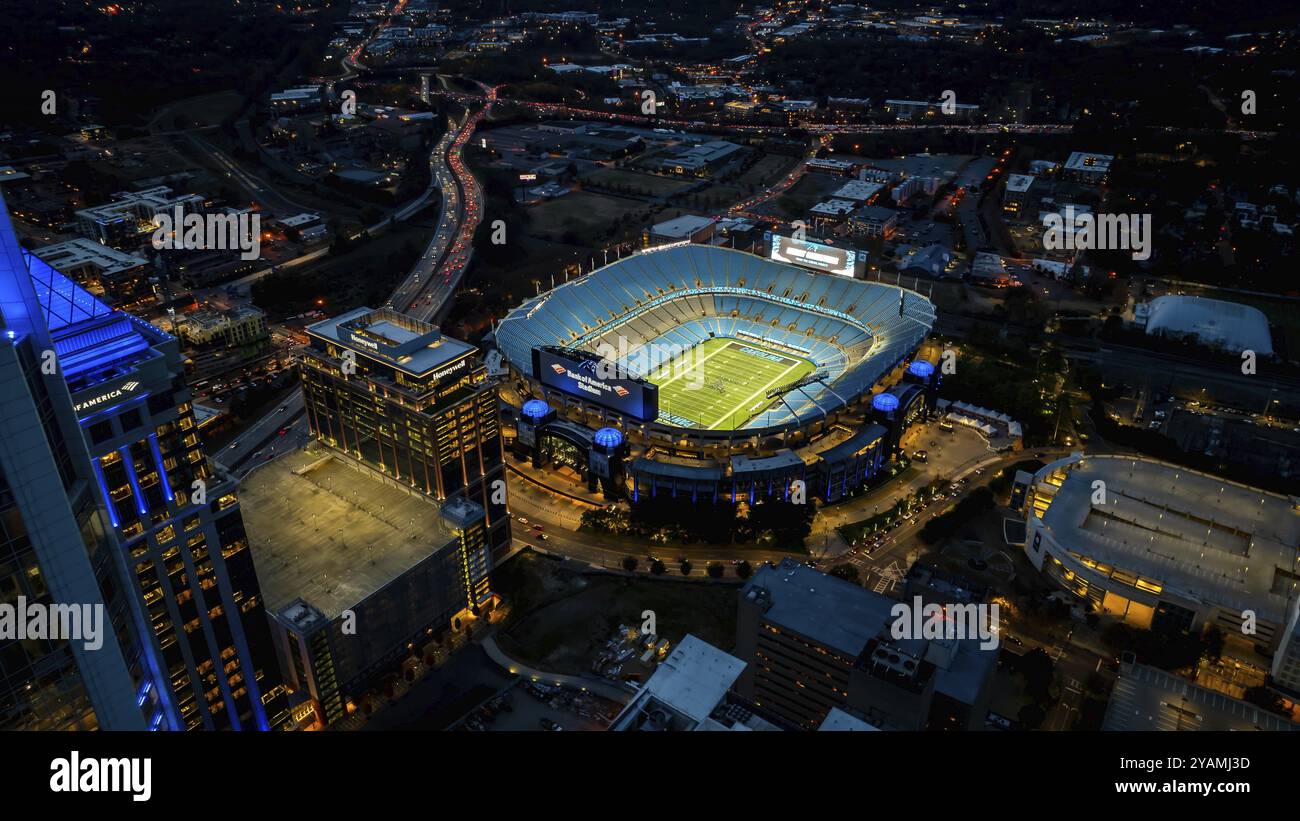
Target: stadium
column 751, row 325
column 699, row 351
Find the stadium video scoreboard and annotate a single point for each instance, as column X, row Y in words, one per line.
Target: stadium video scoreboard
column 816, row 256
column 580, row 374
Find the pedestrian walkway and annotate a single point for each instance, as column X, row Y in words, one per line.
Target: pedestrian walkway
column 600, row 687
column 556, row 483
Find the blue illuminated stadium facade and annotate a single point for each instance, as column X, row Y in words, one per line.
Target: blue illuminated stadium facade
column 858, row 335
column 167, row 549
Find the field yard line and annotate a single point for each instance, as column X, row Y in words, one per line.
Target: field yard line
column 745, row 404
column 712, row 354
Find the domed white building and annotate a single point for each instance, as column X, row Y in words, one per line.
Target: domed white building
column 1227, row 325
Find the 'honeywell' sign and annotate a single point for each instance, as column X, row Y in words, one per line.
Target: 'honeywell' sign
column 442, row 374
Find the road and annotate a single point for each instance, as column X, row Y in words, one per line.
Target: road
column 260, row 441
column 560, row 516
column 745, row 207
column 256, row 187
column 413, row 286
column 428, row 289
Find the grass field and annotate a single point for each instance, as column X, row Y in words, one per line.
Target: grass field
column 723, row 383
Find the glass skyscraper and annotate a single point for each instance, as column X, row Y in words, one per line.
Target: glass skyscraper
column 108, row 497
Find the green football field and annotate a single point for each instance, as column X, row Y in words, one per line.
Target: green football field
column 722, row 383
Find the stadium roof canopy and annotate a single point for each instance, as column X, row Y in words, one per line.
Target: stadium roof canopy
column 673, row 298
column 1227, row 325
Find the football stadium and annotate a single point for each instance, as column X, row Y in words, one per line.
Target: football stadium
column 702, row 352
column 747, row 329
column 722, row 382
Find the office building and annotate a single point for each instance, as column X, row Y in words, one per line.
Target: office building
column 873, row 222
column 54, row 547
column 129, row 218
column 190, row 620
column 1084, row 166
column 686, row 228
column 691, row 691
column 217, row 341
column 119, row 276
column 365, row 579
column 814, row 643
column 393, row 393
column 1017, row 192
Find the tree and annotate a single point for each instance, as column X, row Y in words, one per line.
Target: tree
column 630, row 563
column 1031, row 716
column 1267, row 699
column 744, row 570
column 715, row 570
column 847, row 572
column 657, row 568
column 1213, row 639
column 1038, row 670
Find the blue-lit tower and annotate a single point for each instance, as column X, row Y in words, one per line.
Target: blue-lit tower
column 922, row 372
column 54, row 547
column 608, row 451
column 534, row 415
column 885, row 412
column 169, row 527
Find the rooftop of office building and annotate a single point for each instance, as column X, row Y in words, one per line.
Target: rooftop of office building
column 77, row 252
column 690, row 691
column 414, row 347
column 330, row 534
column 830, row 611
column 839, row 721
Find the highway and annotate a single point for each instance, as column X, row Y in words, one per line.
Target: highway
column 262, row 440
column 428, row 289
column 256, row 187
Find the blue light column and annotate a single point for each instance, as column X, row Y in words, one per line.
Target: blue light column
column 103, row 489
column 162, row 471
column 129, row 464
